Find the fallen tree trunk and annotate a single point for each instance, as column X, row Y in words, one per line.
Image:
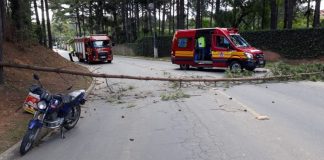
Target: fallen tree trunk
column 64, row 71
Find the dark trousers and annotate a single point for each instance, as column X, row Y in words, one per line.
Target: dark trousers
column 201, row 53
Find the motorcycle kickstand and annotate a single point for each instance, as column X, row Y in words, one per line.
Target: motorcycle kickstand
column 62, row 133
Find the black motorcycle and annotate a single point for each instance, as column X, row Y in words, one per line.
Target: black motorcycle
column 52, row 111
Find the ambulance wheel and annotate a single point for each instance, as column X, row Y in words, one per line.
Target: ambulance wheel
column 184, row 66
column 235, row 66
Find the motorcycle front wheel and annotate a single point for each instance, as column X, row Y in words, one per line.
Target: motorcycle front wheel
column 73, row 119
column 28, row 140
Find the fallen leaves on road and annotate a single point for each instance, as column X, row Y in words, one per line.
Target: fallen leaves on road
column 174, row 95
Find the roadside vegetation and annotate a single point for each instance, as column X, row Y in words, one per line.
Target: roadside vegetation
column 283, row 69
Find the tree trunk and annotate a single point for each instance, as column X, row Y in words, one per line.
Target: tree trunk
column 170, row 17
column 188, row 7
column 78, row 20
column 163, row 19
column 38, row 29
column 49, row 32
column 181, row 16
column 2, row 27
column 217, row 12
column 159, row 11
column 154, row 17
column 289, row 13
column 138, row 24
column 308, row 13
column 173, row 15
column 15, row 7
column 83, row 20
column 274, row 15
column 316, row 22
column 90, row 18
column 292, row 4
column 286, row 6
column 211, row 13
column 198, row 14
column 115, row 25
column 126, row 21
column 263, row 22
column 43, row 24
column 99, row 16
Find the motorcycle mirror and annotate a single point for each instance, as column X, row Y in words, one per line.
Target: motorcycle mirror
column 36, row 77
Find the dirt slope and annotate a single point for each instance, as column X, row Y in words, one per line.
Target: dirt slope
column 12, row 93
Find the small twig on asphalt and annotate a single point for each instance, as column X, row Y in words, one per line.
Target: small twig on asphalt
column 96, row 69
column 110, row 90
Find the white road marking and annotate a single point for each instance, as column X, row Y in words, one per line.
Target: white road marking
column 257, row 115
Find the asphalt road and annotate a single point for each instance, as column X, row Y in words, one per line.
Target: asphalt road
column 127, row 120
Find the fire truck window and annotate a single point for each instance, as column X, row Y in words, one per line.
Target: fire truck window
column 222, row 42
column 100, row 44
column 182, row 42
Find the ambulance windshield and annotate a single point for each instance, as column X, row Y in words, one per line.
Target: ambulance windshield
column 100, row 44
column 239, row 41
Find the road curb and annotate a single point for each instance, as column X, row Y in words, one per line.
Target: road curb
column 12, row 152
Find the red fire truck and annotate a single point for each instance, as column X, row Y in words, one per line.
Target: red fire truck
column 93, row 48
column 214, row 48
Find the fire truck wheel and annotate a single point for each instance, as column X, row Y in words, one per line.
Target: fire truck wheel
column 235, row 66
column 108, row 61
column 184, row 66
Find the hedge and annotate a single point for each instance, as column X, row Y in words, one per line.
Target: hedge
column 144, row 46
column 293, row 44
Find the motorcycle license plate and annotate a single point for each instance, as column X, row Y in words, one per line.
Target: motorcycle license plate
column 30, row 104
column 102, row 56
column 261, row 62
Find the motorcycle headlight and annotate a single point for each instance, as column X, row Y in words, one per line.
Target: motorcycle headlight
column 41, row 105
column 249, row 55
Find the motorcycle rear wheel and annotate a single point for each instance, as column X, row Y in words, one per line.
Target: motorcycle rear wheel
column 28, row 140
column 74, row 118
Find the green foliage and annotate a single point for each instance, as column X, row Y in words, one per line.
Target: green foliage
column 178, row 94
column 281, row 68
column 244, row 73
column 294, row 44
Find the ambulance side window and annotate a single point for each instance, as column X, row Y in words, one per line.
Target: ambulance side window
column 183, row 42
column 222, row 42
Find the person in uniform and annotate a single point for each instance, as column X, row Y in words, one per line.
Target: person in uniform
column 201, row 47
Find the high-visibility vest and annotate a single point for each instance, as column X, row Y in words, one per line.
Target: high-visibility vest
column 201, row 42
